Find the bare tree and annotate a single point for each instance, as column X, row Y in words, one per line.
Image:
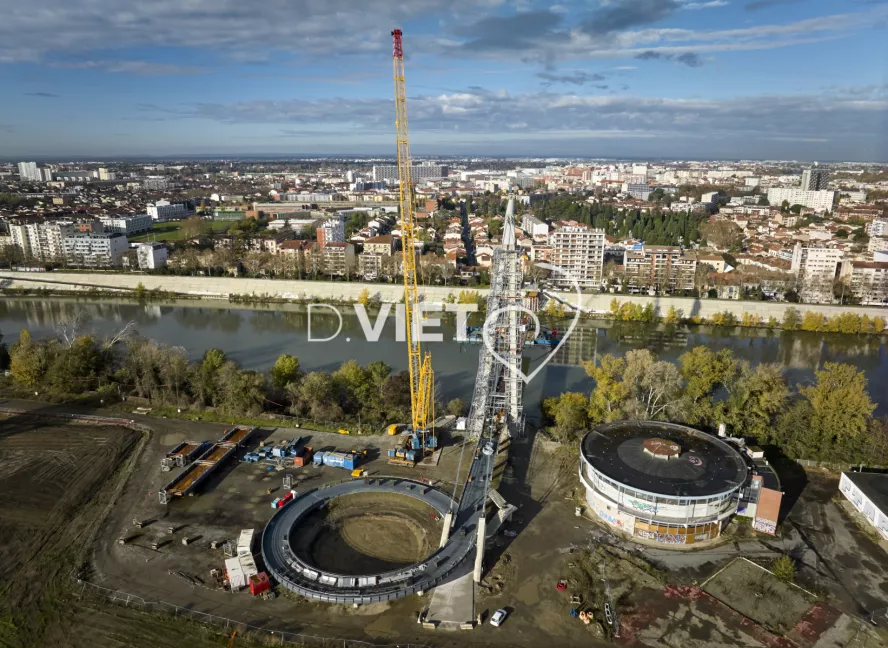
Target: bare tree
column 71, row 326
column 124, row 334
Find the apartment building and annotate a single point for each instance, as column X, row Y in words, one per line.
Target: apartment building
column 95, row 250
column 662, row 268
column 877, row 227
column 817, row 269
column 163, row 210
column 579, row 251
column 815, row 179
column 338, row 258
column 40, row 240
column 370, row 265
column 331, row 230
column 868, row 281
column 389, row 172
column 819, row 201
column 152, row 256
column 534, row 227
column 127, row 225
column 383, row 244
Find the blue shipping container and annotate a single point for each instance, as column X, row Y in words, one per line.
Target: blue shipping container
column 339, row 460
column 319, row 458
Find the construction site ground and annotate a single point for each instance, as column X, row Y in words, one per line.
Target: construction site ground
column 654, row 591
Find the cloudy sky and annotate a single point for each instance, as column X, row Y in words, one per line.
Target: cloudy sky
column 784, row 79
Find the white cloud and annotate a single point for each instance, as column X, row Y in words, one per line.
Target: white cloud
column 135, row 68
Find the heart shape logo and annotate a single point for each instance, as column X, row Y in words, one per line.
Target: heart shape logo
column 490, row 325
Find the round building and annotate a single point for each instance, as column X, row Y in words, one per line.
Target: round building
column 660, row 481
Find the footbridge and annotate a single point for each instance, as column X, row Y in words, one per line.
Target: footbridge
column 496, row 413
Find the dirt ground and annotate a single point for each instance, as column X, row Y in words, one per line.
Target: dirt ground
column 759, row 595
column 368, row 533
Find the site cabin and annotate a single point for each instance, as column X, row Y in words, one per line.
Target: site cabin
column 245, row 542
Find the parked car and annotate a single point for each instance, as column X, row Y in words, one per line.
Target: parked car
column 498, row 617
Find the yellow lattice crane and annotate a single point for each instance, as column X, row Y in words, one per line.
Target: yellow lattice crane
column 422, row 378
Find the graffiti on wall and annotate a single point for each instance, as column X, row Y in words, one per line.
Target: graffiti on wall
column 662, row 538
column 643, row 506
column 765, row 526
column 610, row 518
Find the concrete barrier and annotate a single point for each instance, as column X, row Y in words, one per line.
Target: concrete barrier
column 222, row 286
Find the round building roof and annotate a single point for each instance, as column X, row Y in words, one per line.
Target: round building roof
column 664, row 458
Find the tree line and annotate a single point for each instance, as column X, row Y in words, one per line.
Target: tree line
column 164, row 375
column 653, row 226
column 792, row 320
column 830, row 419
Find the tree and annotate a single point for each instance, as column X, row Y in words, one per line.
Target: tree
column 284, row 371
column 655, row 387
column 673, row 316
column 608, row 399
column 841, row 408
column 784, row 568
column 27, row 361
column 723, row 234
column 569, row 413
column 813, row 321
column 316, row 396
column 792, row 319
column 75, row 369
column 364, row 297
column 205, row 377
column 703, row 372
column 755, row 398
column 242, row 393
column 456, row 407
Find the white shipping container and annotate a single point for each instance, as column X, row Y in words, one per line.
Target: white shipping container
column 245, row 542
column 236, row 578
column 248, row 567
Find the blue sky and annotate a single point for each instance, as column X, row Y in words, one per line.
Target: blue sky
column 778, row 79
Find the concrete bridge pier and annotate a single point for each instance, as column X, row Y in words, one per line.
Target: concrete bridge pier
column 445, row 532
column 479, row 556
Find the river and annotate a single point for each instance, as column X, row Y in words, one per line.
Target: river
column 256, row 336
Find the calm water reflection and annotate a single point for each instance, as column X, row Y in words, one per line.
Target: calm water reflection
column 256, row 336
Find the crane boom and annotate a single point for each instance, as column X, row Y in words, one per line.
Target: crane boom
column 421, row 376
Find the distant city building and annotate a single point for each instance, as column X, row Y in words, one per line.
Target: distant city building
column 95, row 250
column 338, row 258
column 229, row 214
column 28, row 171
column 641, row 191
column 156, row 183
column 534, row 227
column 74, row 176
column 579, row 250
column 868, row 281
column 370, row 265
column 152, row 256
column 819, row 201
column 659, row 267
column 46, row 174
column 331, row 230
column 817, row 269
column 877, row 227
column 40, row 240
column 709, row 197
column 383, row 244
column 127, row 225
column 814, row 179
column 105, row 174
column 163, row 210
column 389, row 172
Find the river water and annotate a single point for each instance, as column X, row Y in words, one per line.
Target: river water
column 256, row 336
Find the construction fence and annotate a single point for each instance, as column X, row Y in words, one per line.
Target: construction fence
column 84, row 589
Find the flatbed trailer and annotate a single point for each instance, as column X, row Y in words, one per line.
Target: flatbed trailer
column 183, row 454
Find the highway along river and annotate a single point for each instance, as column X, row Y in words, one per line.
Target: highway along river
column 256, row 336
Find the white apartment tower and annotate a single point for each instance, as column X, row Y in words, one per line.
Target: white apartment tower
column 817, row 269
column 814, row 179
column 579, row 250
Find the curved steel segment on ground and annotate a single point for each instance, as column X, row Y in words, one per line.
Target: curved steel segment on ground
column 313, row 583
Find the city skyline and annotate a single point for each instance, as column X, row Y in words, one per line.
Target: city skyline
column 717, row 79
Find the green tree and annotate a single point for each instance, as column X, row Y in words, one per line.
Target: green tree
column 205, row 377
column 755, row 398
column 284, row 371
column 673, row 316
column 703, row 372
column 570, row 413
column 792, row 319
column 654, row 386
column 316, row 395
column 456, row 407
column 841, row 408
column 76, row 369
column 608, row 399
column 27, row 361
column 241, row 393
column 813, row 321
column 364, row 297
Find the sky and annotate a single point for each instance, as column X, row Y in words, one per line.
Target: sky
column 700, row 79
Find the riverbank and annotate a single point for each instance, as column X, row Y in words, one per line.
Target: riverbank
column 146, row 287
